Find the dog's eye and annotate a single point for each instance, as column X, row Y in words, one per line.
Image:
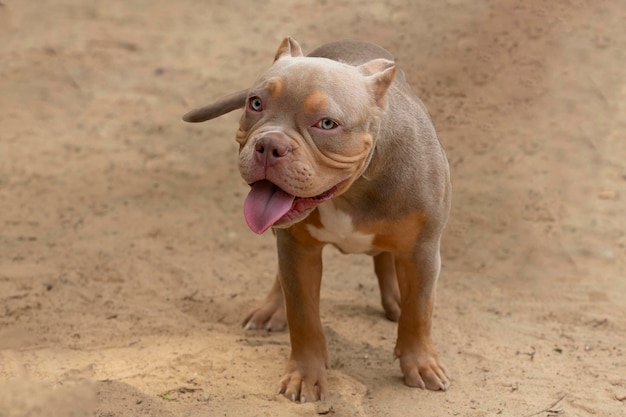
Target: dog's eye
column 326, row 124
column 255, row 104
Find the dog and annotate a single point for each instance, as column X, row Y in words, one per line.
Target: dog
column 337, row 149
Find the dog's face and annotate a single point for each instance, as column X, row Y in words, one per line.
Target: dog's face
column 307, row 133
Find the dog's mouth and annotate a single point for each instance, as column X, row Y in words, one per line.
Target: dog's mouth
column 267, row 205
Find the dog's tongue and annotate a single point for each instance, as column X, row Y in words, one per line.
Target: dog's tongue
column 265, row 204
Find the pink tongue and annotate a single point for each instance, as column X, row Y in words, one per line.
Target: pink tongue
column 265, row 204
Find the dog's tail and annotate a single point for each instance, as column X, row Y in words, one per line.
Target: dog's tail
column 222, row 106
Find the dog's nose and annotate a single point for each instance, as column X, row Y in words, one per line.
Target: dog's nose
column 269, row 150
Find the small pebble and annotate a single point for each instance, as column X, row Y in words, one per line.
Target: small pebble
column 323, row 407
column 607, row 195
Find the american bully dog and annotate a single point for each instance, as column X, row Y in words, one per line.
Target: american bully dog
column 337, row 149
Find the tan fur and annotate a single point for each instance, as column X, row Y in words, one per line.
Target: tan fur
column 315, row 102
column 396, row 235
column 391, row 182
column 275, row 87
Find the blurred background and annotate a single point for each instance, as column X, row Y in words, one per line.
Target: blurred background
column 126, row 265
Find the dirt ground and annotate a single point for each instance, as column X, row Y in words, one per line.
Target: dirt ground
column 126, row 265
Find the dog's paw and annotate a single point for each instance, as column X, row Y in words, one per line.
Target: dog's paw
column 304, row 383
column 266, row 317
column 422, row 369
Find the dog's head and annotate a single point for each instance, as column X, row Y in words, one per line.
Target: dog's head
column 307, row 132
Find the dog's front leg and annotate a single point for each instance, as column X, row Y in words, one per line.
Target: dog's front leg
column 300, row 264
column 417, row 277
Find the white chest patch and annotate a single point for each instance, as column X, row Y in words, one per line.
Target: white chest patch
column 337, row 229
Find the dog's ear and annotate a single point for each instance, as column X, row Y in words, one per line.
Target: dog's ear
column 288, row 47
column 379, row 75
column 222, row 106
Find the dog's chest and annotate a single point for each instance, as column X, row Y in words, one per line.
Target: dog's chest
column 337, row 228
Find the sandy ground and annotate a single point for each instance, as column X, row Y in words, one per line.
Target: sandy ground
column 126, row 265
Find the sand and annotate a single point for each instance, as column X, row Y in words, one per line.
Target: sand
column 126, row 266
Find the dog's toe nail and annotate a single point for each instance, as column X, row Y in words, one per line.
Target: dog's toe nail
column 250, row 326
